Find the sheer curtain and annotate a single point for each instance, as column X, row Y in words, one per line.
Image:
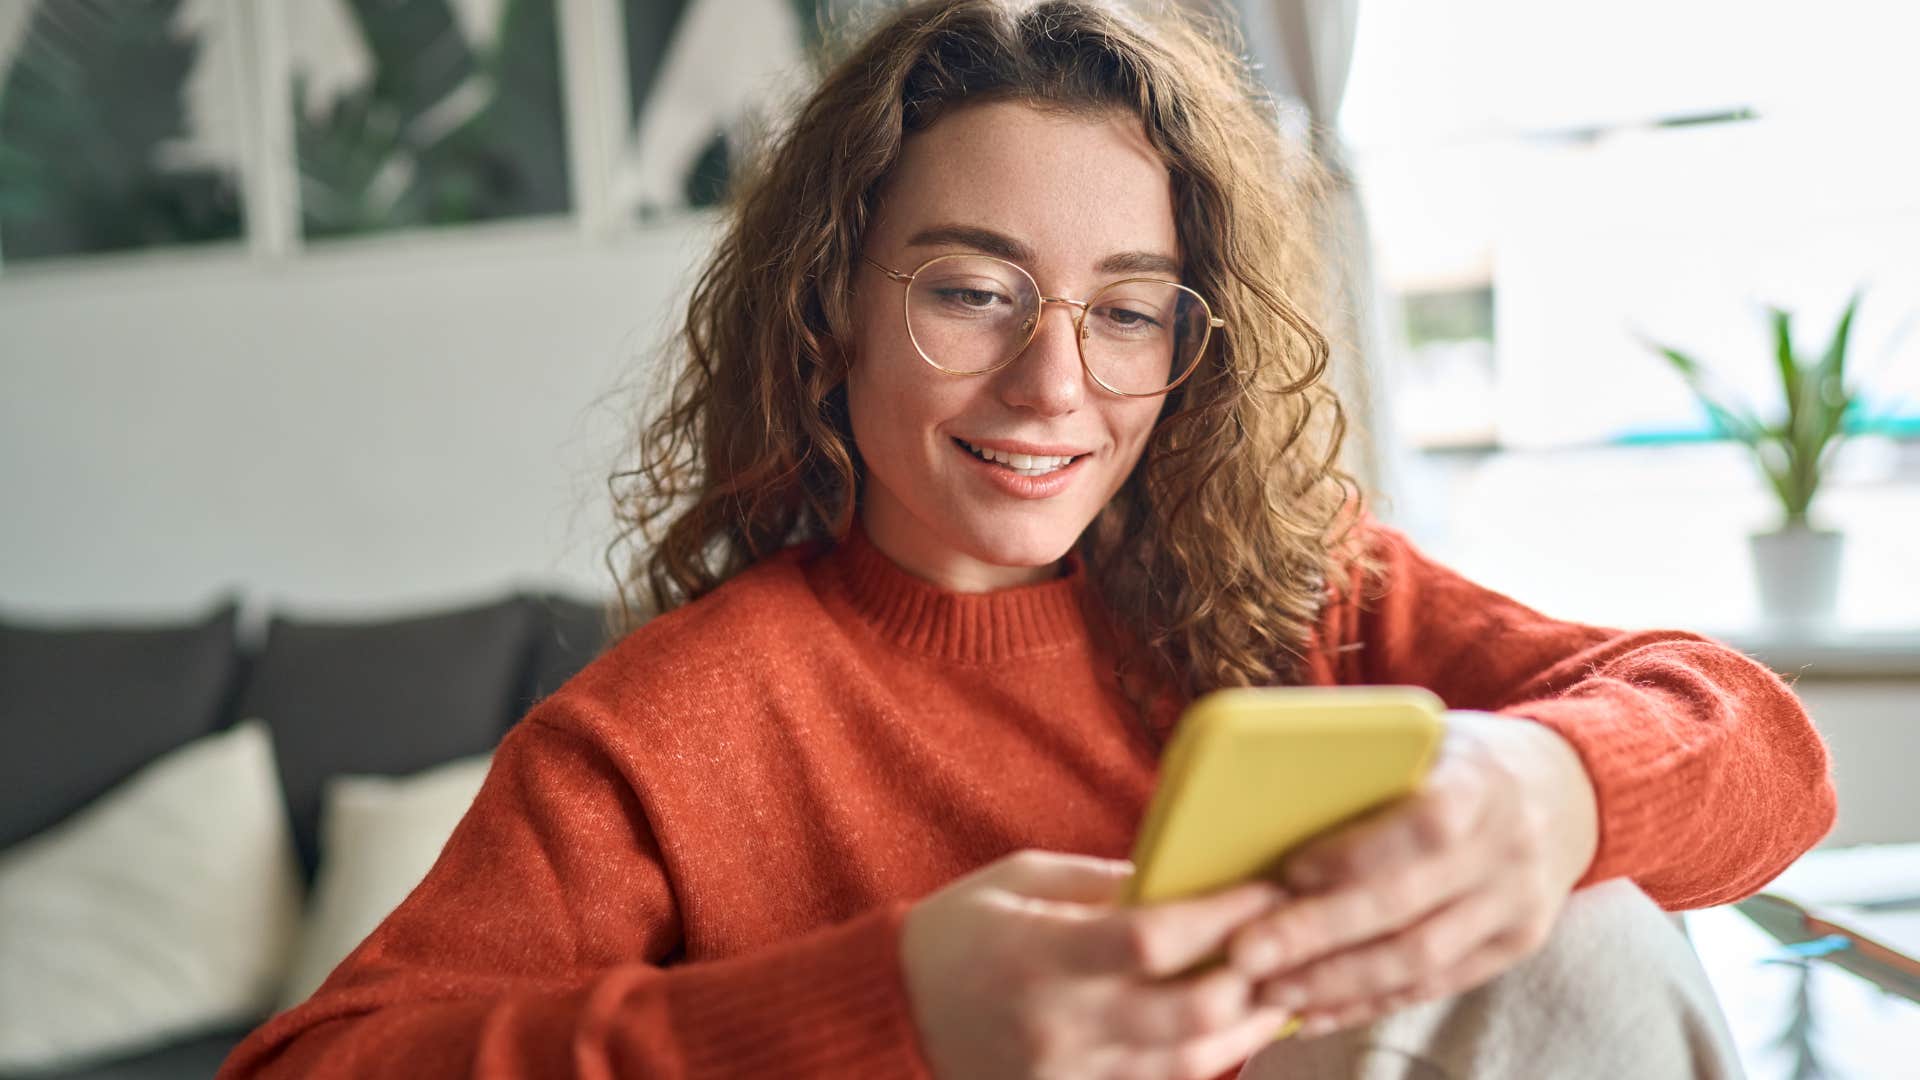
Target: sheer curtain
column 1305, row 50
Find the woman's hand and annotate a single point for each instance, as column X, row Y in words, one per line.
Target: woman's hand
column 1436, row 893
column 1028, row 968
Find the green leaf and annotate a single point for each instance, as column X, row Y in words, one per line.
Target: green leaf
column 366, row 159
column 1732, row 419
column 1790, row 383
column 1832, row 445
column 1833, row 365
column 1830, row 392
column 1776, row 475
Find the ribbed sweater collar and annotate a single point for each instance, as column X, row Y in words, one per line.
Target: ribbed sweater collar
column 1005, row 624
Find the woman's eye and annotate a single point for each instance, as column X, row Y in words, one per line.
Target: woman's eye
column 1129, row 320
column 971, row 298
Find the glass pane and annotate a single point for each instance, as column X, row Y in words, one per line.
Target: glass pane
column 119, row 126
column 702, row 75
column 1444, row 396
column 429, row 112
column 1142, row 335
column 968, row 313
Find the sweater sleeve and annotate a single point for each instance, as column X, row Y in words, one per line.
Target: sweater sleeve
column 539, row 945
column 1708, row 774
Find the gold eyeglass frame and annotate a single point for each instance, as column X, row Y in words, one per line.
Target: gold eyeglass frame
column 1213, row 321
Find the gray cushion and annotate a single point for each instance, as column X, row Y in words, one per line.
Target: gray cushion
column 386, row 698
column 568, row 634
column 83, row 707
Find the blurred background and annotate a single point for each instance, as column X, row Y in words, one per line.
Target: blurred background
column 331, row 315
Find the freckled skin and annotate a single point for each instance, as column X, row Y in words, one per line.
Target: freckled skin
column 1074, row 190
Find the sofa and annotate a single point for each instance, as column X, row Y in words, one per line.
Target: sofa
column 162, row 782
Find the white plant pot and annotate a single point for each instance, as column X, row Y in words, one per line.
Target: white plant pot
column 1797, row 572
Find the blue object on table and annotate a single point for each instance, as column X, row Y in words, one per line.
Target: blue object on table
column 1800, row 951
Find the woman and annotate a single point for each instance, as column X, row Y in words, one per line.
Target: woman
column 1001, row 434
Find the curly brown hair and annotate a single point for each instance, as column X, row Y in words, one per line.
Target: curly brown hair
column 1215, row 557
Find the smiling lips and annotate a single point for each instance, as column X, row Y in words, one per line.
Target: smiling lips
column 1025, row 464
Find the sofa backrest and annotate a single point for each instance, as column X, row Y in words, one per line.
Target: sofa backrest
column 89, row 705
column 86, row 706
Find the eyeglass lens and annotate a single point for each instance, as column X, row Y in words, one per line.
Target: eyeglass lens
column 972, row 313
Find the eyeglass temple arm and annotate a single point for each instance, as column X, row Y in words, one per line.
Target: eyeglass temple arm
column 890, row 272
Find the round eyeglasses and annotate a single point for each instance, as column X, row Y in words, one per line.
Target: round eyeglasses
column 970, row 314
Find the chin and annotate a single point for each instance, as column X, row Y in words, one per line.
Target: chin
column 1031, row 543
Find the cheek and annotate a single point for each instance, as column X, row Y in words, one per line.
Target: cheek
column 865, row 406
column 890, row 403
column 868, row 389
column 1131, row 425
column 893, row 397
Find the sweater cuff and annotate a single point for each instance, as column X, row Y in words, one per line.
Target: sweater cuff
column 1618, row 760
column 830, row 1003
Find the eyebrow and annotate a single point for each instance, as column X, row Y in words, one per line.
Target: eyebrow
column 1006, row 247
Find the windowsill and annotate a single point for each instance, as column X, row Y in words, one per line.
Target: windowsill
column 1646, row 537
column 1829, row 652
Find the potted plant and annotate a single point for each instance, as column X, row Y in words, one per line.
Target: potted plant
column 1796, row 564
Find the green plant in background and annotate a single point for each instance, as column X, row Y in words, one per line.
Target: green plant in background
column 1793, row 454
column 441, row 133
column 92, row 96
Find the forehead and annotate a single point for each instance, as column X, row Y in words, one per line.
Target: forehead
column 1072, row 187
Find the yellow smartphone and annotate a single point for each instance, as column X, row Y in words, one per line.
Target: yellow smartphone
column 1252, row 773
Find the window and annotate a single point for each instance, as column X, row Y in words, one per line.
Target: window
column 426, row 113
column 128, row 124
column 1549, row 186
column 700, row 76
column 118, row 127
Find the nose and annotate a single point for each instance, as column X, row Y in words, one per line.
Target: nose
column 1047, row 378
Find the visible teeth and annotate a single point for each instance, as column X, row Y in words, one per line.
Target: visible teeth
column 1024, row 464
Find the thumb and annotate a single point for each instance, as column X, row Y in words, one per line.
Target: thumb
column 1063, row 877
column 1163, row 939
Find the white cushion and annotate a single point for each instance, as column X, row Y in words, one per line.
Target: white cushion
column 164, row 908
column 378, row 838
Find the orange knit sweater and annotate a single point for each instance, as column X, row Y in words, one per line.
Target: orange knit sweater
column 693, row 859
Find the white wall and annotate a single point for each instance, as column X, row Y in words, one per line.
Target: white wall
column 383, row 424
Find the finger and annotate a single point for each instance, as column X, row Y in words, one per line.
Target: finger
column 1490, row 960
column 1340, row 1017
column 1158, row 1013
column 1441, row 815
column 1312, row 927
column 1397, row 962
column 1161, row 939
column 1196, row 1059
column 1061, row 876
column 1480, row 966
